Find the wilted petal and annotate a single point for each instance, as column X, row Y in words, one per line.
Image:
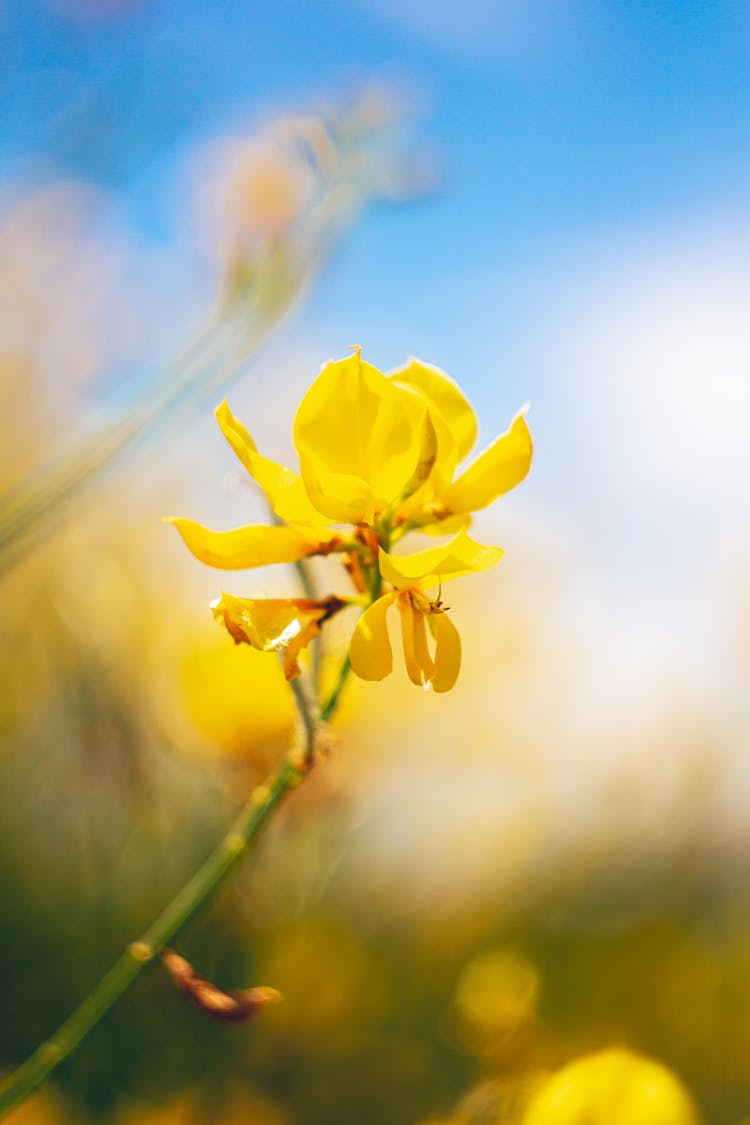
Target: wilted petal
column 443, row 396
column 438, row 564
column 275, row 624
column 283, row 487
column 447, row 651
column 246, row 547
column 370, row 649
column 499, row 468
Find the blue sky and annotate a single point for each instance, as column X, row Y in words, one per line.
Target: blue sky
column 586, row 250
column 548, row 115
column 556, row 122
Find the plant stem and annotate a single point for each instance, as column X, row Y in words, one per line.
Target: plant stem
column 263, row 801
column 332, row 702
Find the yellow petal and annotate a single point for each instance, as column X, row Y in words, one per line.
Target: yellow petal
column 448, row 526
column 409, row 616
column 428, row 447
column 283, row 487
column 447, row 651
column 370, row 649
column 360, row 440
column 421, row 651
column 461, row 555
column 245, row 547
column 444, row 396
column 499, row 468
column 275, row 624
column 614, row 1085
column 342, row 498
column 436, row 468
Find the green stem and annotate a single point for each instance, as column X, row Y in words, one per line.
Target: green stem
column 308, row 719
column 22, row 1083
column 304, row 572
column 328, row 708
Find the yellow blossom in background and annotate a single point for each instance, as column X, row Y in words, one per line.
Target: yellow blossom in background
column 613, row 1087
column 238, row 700
column 380, row 456
column 497, row 994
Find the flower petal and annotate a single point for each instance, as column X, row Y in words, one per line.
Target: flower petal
column 421, row 651
column 461, row 555
column 499, row 468
column 411, row 657
column 360, row 440
column 283, row 487
column 447, row 651
column 257, row 545
column 370, row 649
column 444, row 396
column 275, row 624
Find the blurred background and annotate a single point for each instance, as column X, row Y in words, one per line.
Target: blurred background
column 550, row 201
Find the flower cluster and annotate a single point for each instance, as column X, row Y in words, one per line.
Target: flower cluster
column 380, row 456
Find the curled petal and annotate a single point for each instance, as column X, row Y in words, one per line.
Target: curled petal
column 370, row 649
column 461, row 555
column 499, row 468
column 284, row 625
column 447, row 651
column 283, row 487
column 257, row 545
column 443, row 397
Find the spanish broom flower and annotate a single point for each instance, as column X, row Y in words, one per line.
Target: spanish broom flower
column 411, row 577
column 380, row 456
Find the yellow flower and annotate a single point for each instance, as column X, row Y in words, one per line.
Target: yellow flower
column 374, row 450
column 382, row 454
column 411, row 576
column 614, row 1087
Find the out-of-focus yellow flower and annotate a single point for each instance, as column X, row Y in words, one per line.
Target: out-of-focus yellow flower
column 497, row 994
column 380, row 453
column 613, row 1087
column 239, row 701
column 42, row 1109
column 411, row 576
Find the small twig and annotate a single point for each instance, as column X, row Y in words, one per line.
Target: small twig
column 245, row 830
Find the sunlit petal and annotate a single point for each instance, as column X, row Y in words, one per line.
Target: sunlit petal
column 421, row 651
column 283, row 487
column 444, row 396
column 256, row 545
column 501, row 466
column 370, row 650
column 451, row 525
column 461, row 555
column 447, row 651
column 360, row 440
column 407, row 614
